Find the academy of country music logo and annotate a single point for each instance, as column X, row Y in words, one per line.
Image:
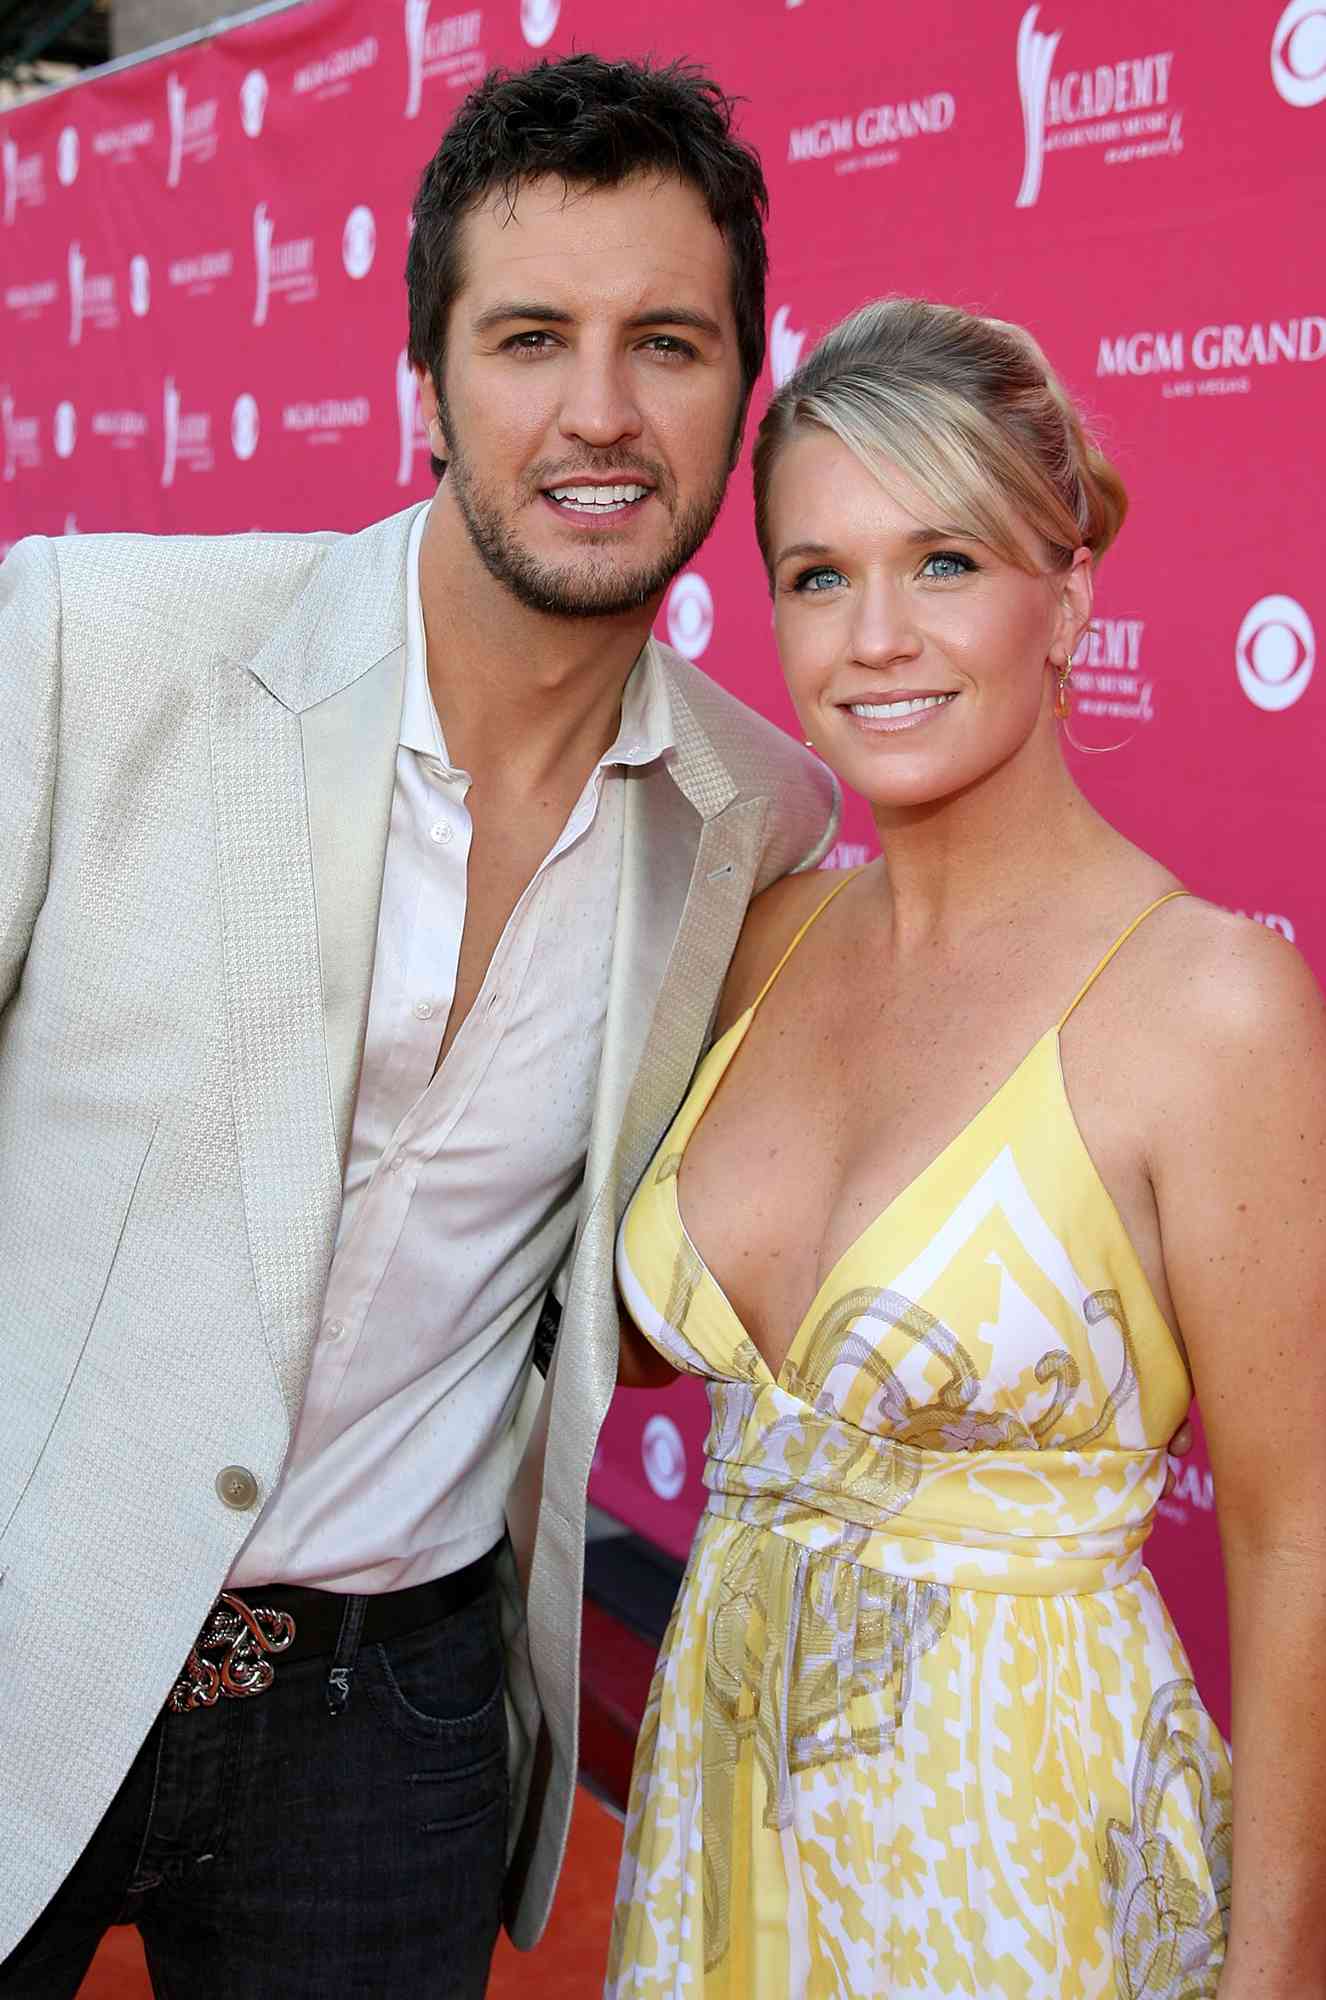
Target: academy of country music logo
column 332, row 75
column 663, row 1455
column 66, row 156
column 538, row 20
column 122, row 144
column 22, row 438
column 1298, row 53
column 193, row 129
column 64, row 430
column 199, row 274
column 326, row 420
column 245, row 427
column 1109, row 679
column 448, row 49
column 410, row 420
column 690, row 615
column 23, row 182
column 186, row 435
column 92, row 300
column 1219, row 359
column 1275, row 652
column 1121, row 106
column 253, row 103
column 785, row 345
column 284, row 269
column 873, row 137
column 31, row 300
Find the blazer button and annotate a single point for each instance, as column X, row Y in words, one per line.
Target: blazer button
column 237, row 1487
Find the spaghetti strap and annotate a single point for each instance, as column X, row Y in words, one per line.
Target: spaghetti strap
column 1118, row 945
column 818, row 911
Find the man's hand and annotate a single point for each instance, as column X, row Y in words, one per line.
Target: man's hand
column 1178, row 1447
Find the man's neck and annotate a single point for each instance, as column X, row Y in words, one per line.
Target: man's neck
column 521, row 695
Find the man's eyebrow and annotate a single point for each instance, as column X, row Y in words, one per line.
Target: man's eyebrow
column 677, row 316
column 521, row 309
column 533, row 309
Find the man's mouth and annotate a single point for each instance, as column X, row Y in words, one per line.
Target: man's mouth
column 597, row 501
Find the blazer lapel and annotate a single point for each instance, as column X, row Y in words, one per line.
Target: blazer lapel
column 303, row 752
column 690, row 858
column 350, row 743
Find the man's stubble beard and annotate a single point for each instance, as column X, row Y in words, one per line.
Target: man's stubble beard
column 589, row 589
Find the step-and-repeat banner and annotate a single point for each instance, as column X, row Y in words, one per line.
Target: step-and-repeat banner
column 202, row 327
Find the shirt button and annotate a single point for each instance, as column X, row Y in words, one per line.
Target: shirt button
column 394, row 1165
column 237, row 1487
column 440, row 833
column 423, row 1010
column 333, row 1329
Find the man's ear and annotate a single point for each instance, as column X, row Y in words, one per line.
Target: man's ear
column 437, row 438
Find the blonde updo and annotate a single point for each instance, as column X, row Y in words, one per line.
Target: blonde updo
column 969, row 409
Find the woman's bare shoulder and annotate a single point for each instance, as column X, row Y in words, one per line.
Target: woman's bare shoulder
column 772, row 921
column 1213, row 996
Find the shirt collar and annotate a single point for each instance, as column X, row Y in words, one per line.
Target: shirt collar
column 644, row 733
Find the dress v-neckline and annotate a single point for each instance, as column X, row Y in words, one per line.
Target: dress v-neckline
column 738, row 1030
column 704, row 1090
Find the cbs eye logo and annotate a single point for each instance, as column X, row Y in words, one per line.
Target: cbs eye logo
column 1298, row 53
column 690, row 615
column 664, row 1457
column 1275, row 653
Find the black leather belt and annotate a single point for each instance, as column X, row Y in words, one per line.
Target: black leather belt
column 246, row 1629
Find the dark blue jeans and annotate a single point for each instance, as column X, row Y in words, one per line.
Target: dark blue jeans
column 270, row 1850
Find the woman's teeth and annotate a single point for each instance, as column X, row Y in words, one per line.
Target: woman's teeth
column 596, row 499
column 873, row 711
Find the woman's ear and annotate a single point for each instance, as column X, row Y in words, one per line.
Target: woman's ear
column 1077, row 592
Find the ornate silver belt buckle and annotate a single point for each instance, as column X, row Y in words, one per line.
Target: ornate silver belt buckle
column 240, row 1636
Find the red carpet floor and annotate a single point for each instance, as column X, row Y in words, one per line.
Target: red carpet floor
column 568, row 1965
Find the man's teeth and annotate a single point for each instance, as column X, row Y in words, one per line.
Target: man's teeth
column 875, row 710
column 594, row 499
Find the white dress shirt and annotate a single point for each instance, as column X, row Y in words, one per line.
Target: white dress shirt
column 461, row 1187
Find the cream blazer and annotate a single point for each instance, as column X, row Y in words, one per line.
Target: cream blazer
column 197, row 748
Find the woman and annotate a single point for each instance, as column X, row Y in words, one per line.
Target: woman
column 1006, row 1143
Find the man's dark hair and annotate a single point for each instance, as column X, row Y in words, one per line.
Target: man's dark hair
column 594, row 124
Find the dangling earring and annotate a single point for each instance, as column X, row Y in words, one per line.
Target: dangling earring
column 1063, row 696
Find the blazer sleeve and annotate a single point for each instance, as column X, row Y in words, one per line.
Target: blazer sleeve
column 29, row 723
column 832, row 813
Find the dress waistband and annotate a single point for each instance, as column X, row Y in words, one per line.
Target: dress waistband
column 1024, row 1522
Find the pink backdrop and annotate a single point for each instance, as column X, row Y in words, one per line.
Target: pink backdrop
column 202, row 323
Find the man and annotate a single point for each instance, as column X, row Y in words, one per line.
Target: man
column 364, row 903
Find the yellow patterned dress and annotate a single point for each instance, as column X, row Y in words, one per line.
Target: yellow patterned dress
column 921, row 1726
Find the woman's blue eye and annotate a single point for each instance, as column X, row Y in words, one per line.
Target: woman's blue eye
column 947, row 562
column 815, row 580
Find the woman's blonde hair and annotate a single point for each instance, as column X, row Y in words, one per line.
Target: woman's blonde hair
column 969, row 410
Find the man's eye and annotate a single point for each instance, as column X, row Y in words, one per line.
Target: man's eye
column 533, row 342
column 668, row 343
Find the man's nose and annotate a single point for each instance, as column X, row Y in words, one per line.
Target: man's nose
column 599, row 406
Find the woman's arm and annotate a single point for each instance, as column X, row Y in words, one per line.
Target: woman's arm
column 1239, row 1169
